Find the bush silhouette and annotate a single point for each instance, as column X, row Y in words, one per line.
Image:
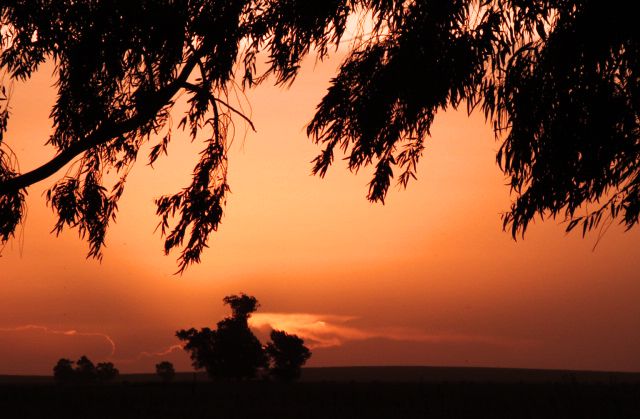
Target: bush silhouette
column 165, row 371
column 287, row 354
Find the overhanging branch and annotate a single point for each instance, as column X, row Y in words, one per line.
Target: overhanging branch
column 106, row 132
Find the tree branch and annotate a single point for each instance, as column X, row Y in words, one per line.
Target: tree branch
column 195, row 88
column 105, row 133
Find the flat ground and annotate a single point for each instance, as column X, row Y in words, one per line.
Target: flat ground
column 338, row 393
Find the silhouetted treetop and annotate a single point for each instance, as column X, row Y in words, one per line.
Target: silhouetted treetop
column 559, row 80
column 241, row 305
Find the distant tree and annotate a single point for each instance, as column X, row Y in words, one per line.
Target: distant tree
column 85, row 370
column 558, row 80
column 63, row 371
column 287, row 354
column 106, row 371
column 165, row 371
column 231, row 351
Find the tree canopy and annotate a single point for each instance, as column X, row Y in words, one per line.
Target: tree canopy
column 559, row 80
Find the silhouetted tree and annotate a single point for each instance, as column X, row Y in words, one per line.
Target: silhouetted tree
column 63, row 371
column 85, row 370
column 559, row 80
column 106, row 371
column 165, row 371
column 287, row 354
column 231, row 351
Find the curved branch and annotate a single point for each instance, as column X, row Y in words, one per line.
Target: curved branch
column 105, row 133
column 195, row 88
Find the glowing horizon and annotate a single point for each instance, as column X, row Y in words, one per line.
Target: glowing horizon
column 429, row 278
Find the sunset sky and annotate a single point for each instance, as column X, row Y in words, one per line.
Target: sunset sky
column 429, row 278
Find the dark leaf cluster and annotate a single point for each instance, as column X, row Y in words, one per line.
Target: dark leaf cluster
column 380, row 107
column 12, row 202
column 568, row 102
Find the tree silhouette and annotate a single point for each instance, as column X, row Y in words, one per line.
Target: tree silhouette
column 231, row 351
column 63, row 371
column 287, row 354
column 106, row 371
column 165, row 371
column 85, row 371
column 557, row 79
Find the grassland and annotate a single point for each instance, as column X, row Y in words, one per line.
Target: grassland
column 339, row 398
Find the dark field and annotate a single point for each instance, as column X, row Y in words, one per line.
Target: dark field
column 505, row 395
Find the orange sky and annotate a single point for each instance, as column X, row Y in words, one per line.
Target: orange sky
column 427, row 279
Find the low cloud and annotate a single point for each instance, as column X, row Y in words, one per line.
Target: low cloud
column 319, row 331
column 69, row 332
column 168, row 351
column 322, row 331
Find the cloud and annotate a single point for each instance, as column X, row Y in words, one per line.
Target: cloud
column 169, row 350
column 63, row 334
column 69, row 332
column 318, row 330
column 321, row 331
